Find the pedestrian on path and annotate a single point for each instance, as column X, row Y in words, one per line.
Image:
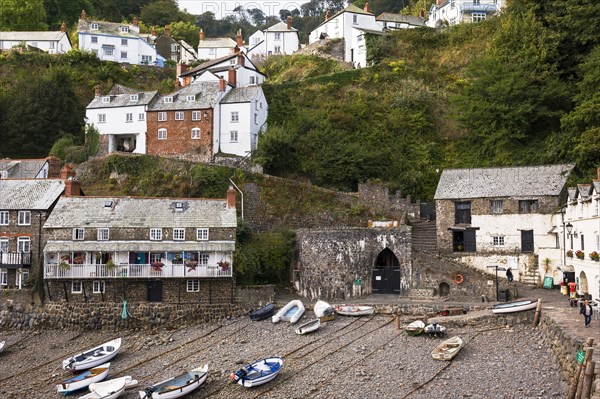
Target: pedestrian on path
column 509, row 275
column 586, row 311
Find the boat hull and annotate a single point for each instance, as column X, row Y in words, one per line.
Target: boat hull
column 168, row 389
column 84, row 379
column 263, row 313
column 113, row 390
column 415, row 328
column 512, row 307
column 282, row 314
column 448, row 349
column 93, row 357
column 354, row 310
column 259, row 372
column 308, row 327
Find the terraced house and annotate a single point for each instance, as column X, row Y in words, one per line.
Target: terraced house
column 176, row 250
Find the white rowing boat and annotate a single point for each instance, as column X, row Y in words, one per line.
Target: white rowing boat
column 515, row 306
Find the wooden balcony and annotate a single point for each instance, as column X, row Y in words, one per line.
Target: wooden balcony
column 100, row 271
column 15, row 260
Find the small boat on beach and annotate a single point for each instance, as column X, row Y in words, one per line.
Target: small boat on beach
column 177, row 386
column 515, row 306
column 83, row 380
column 291, row 312
column 448, row 349
column 415, row 328
column 262, row 313
column 110, row 389
column 308, row 327
column 324, row 311
column 258, row 373
column 434, row 329
column 354, row 310
column 93, row 357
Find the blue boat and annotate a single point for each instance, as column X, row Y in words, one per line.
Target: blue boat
column 262, row 313
column 258, row 373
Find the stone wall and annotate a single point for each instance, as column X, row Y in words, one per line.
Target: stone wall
column 376, row 196
column 330, row 261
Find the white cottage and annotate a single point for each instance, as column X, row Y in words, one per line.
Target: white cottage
column 280, row 38
column 211, row 48
column 247, row 73
column 453, row 12
column 50, row 42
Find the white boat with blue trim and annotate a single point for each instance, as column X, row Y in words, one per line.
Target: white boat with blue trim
column 258, row 373
column 515, row 306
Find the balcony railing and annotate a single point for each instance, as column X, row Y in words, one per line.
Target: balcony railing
column 100, row 271
column 15, row 258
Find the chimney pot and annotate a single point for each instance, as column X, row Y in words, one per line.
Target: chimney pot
column 231, row 198
column 289, row 22
column 83, row 15
column 201, row 35
column 222, row 84
column 67, row 172
column 239, row 39
column 63, row 27
column 327, row 15
column 167, row 30
column 232, row 76
column 135, row 21
column 72, row 188
column 98, row 90
column 240, row 59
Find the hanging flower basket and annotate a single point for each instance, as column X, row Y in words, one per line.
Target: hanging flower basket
column 64, row 265
column 595, row 256
column 191, row 264
column 224, row 265
column 579, row 254
column 157, row 266
column 110, row 265
column 570, row 253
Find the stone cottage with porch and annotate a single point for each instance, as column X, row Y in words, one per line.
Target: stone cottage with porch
column 499, row 217
column 171, row 250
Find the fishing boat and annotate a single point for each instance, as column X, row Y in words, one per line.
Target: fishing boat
column 435, row 329
column 83, row 380
column 258, row 373
column 262, row 313
column 415, row 328
column 2, row 343
column 290, row 312
column 110, row 389
column 515, row 306
column 308, row 327
column 93, row 357
column 177, row 386
column 324, row 311
column 448, row 349
column 354, row 310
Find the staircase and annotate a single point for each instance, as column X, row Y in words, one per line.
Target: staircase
column 531, row 276
column 424, row 236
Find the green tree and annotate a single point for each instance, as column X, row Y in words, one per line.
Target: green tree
column 186, row 31
column 22, row 15
column 163, row 12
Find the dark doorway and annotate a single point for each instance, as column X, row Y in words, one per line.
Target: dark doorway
column 464, row 240
column 155, row 291
column 386, row 273
column 527, row 240
column 444, row 289
column 462, row 212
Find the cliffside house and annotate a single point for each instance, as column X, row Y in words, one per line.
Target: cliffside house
column 247, row 73
column 390, row 21
column 171, row 250
column 280, row 38
column 117, row 42
column 453, row 12
column 51, row 42
column 501, row 216
column 212, row 48
column 43, row 168
column 169, row 48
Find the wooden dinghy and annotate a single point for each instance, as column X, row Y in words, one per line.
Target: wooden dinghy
column 177, row 386
column 515, row 306
column 83, row 380
column 291, row 312
column 415, row 328
column 308, row 327
column 262, row 313
column 93, row 357
column 110, row 389
column 434, row 329
column 258, row 373
column 354, row 310
column 324, row 311
column 448, row 349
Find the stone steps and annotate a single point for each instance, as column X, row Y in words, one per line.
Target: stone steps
column 424, row 236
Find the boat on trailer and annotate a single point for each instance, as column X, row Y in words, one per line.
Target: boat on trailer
column 515, row 306
column 415, row 328
column 93, row 357
column 291, row 312
column 83, row 380
column 324, row 311
column 177, row 386
column 258, row 373
column 308, row 327
column 448, row 349
column 262, row 313
column 354, row 310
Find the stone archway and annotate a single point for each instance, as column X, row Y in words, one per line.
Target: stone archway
column 583, row 284
column 444, row 289
column 386, row 273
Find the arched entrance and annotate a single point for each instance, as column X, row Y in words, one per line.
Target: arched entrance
column 444, row 289
column 583, row 284
column 386, row 273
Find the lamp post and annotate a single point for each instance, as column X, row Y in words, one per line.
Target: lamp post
column 501, row 269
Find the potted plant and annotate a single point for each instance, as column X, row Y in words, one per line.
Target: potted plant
column 63, row 265
column 110, row 265
column 595, row 256
column 224, row 265
column 191, row 264
column 157, row 266
column 579, row 254
column 570, row 253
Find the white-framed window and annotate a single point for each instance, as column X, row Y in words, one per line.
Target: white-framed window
column 76, row 287
column 596, row 207
column 94, row 26
column 24, row 218
column 125, row 29
column 141, row 117
column 168, row 100
column 195, row 133
column 211, row 51
column 3, row 245
column 478, row 17
column 256, row 119
column 252, row 80
column 191, row 98
column 128, row 117
column 235, row 116
column 233, row 136
column 162, row 134
column 23, row 245
column 124, row 54
column 355, row 19
column 202, row 234
column 156, row 257
column 156, row 234
column 195, row 115
column 193, row 286
column 78, row 233
column 3, row 218
column 277, row 35
column 178, row 234
column 101, row 118
column 24, row 276
column 203, row 259
column 3, row 277
column 477, row 2
column 498, row 241
column 174, row 47
column 496, row 206
column 146, row 59
column 105, row 99
column 3, row 174
column 134, row 97
column 98, row 287
column 580, row 212
column 108, row 50
column 162, row 116
column 103, row 234
column 179, row 115
column 94, row 39
column 277, row 49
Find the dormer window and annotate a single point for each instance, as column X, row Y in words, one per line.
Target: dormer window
column 124, row 29
column 191, row 98
column 355, row 19
column 94, row 26
column 179, row 206
column 133, row 97
column 168, row 100
column 108, row 204
column 105, row 100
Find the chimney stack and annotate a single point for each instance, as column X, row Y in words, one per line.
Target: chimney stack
column 167, row 31
column 239, row 40
column 53, row 167
column 83, row 15
column 422, row 13
column 232, row 76
column 327, row 15
column 63, row 27
column 438, row 3
column 72, row 188
column 222, row 84
column 67, row 172
column 201, row 35
column 367, row 8
column 135, row 21
column 181, row 68
column 240, row 59
column 231, row 198
column 289, row 22
column 97, row 90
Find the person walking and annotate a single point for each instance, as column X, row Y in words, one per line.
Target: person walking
column 586, row 311
column 509, row 275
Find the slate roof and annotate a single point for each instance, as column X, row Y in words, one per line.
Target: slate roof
column 22, row 168
column 206, row 65
column 120, row 97
column 241, row 95
column 108, row 28
column 135, row 212
column 217, row 42
column 351, row 9
column 585, row 191
column 502, row 182
column 403, row 19
column 39, row 36
column 596, row 184
column 280, row 27
column 206, row 95
column 572, row 193
column 34, row 194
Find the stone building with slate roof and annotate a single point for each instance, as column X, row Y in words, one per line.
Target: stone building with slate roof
column 172, row 250
column 42, row 168
column 499, row 216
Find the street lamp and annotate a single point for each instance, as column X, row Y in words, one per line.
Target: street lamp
column 501, row 269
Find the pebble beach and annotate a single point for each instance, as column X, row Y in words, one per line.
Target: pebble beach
column 349, row 357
